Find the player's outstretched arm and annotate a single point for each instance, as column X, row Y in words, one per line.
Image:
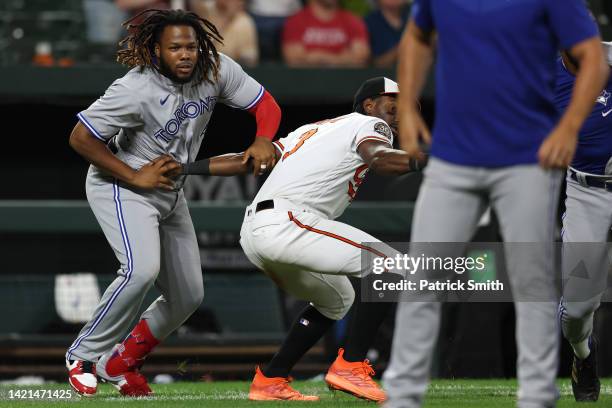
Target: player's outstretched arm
column 384, row 160
column 231, row 164
column 97, row 153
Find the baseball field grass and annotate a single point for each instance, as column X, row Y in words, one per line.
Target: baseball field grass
column 442, row 393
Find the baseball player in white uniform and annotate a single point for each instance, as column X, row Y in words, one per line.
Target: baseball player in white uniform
column 157, row 114
column 289, row 231
column 586, row 225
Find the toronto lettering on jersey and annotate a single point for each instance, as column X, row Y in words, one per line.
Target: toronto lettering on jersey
column 188, row 110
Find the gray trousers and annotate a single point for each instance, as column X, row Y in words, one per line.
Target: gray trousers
column 587, row 219
column 153, row 238
column 450, row 203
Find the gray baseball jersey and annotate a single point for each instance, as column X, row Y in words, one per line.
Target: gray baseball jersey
column 151, row 115
column 151, row 231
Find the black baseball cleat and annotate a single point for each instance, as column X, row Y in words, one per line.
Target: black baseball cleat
column 585, row 381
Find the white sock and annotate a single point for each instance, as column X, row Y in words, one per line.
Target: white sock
column 582, row 350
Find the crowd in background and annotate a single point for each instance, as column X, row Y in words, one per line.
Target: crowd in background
column 308, row 33
column 299, row 33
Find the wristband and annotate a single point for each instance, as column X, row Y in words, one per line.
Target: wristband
column 198, row 167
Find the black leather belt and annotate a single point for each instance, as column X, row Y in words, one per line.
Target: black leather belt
column 264, row 205
column 592, row 181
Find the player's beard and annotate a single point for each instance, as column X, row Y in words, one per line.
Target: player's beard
column 166, row 71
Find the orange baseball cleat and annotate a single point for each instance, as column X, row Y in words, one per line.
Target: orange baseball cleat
column 275, row 389
column 354, row 378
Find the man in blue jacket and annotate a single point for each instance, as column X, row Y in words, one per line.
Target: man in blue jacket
column 497, row 140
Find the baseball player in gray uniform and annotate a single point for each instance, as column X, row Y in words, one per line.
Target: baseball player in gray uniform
column 157, row 114
column 587, row 219
column 497, row 139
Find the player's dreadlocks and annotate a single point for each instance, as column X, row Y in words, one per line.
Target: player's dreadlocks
column 141, row 39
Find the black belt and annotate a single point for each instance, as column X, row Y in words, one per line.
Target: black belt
column 592, row 181
column 264, row 205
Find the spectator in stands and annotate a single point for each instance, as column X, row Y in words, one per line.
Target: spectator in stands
column 385, row 26
column 323, row 34
column 269, row 19
column 103, row 21
column 138, row 5
column 133, row 7
column 236, row 27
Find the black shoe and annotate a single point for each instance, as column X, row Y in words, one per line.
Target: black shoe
column 585, row 381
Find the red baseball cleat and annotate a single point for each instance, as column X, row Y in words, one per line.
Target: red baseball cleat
column 275, row 389
column 82, row 377
column 121, row 365
column 122, row 372
column 354, row 378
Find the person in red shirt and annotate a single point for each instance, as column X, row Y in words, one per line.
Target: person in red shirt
column 323, row 34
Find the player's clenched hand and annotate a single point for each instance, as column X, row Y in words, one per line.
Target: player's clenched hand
column 412, row 128
column 558, row 148
column 152, row 175
column 262, row 153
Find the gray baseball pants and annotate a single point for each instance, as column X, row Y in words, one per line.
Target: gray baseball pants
column 153, row 238
column 587, row 219
column 451, row 200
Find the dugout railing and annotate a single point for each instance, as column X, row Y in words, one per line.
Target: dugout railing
column 60, row 216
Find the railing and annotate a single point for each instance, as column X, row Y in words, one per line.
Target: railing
column 288, row 85
column 57, row 216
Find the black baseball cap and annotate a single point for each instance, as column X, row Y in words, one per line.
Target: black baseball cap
column 374, row 87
